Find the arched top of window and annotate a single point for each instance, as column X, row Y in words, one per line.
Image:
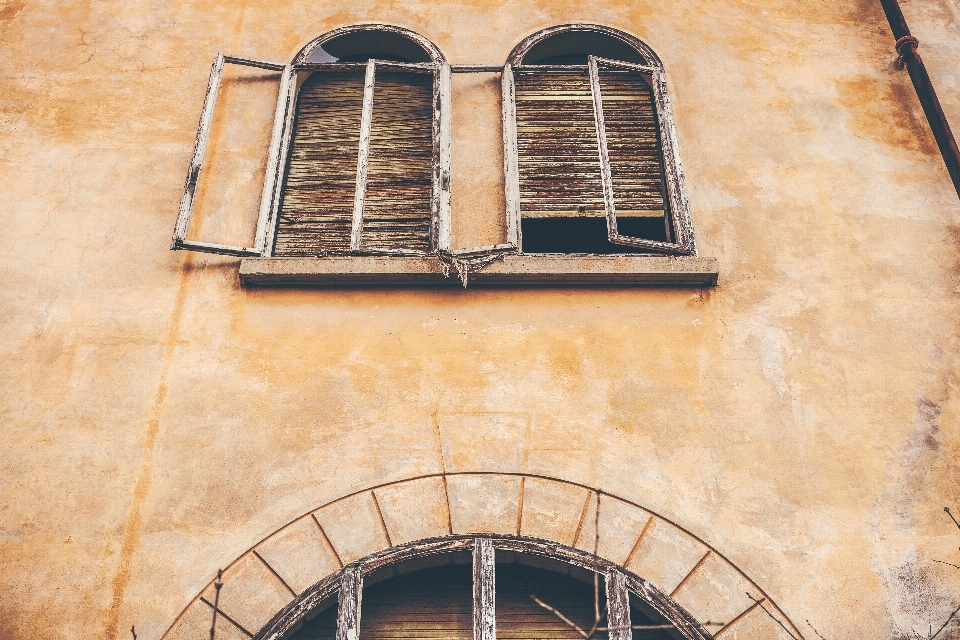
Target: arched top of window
column 359, row 43
column 521, row 587
column 573, row 43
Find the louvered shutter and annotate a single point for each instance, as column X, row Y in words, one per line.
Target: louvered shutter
column 590, row 157
column 559, row 172
column 182, row 226
column 361, row 171
column 316, row 211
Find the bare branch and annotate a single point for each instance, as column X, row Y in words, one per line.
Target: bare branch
column 944, row 626
column 947, row 509
column 759, row 603
column 560, row 615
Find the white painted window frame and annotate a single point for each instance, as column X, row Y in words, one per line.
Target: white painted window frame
column 483, row 253
column 292, row 76
column 267, row 211
column 681, row 232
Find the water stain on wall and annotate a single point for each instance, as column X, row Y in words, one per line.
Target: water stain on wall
column 887, row 112
column 9, row 10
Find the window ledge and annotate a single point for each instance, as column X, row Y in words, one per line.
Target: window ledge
column 543, row 270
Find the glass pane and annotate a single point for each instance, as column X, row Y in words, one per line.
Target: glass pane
column 360, row 46
column 573, row 47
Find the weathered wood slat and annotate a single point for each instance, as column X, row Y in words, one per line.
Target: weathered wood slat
column 317, row 208
column 618, row 607
column 397, row 211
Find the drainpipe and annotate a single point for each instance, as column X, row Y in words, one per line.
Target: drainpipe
column 907, row 48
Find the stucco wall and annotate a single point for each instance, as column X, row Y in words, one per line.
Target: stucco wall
column 801, row 417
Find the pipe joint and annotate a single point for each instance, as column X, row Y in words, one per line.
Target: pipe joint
column 906, row 40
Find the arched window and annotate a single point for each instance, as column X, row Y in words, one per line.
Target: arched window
column 592, row 146
column 360, row 175
column 356, row 165
column 482, row 589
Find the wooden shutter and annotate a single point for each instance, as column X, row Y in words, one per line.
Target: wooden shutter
column 396, row 214
column 589, row 147
column 360, row 176
column 557, row 156
column 631, row 156
column 182, row 226
column 317, row 207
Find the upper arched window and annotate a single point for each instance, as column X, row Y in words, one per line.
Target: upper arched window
column 356, row 165
column 595, row 168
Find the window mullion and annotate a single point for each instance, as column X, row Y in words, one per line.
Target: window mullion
column 366, row 121
column 289, row 97
column 606, row 177
column 484, row 590
column 618, row 607
column 511, row 170
column 348, row 610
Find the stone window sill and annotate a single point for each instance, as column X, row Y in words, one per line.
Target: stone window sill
column 523, row 270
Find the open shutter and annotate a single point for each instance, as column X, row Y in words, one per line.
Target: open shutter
column 182, row 226
column 395, row 210
column 636, row 195
column 481, row 255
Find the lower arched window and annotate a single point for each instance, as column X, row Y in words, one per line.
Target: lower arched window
column 483, row 589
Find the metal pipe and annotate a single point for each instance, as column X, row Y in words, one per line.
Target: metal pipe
column 906, row 46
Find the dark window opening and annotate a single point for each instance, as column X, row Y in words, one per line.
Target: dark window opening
column 568, row 590
column 573, row 47
column 360, row 46
column 321, row 623
column 586, row 235
column 316, row 213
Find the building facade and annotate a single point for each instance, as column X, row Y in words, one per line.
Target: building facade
column 653, row 303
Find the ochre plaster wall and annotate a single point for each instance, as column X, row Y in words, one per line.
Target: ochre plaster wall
column 801, row 417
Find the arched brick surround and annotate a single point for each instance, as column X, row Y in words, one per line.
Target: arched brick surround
column 281, row 566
